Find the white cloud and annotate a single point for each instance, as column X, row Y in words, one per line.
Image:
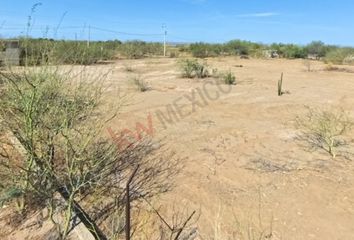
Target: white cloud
column 259, row 15
column 194, row 1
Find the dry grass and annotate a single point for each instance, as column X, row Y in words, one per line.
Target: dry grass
column 140, row 84
column 325, row 129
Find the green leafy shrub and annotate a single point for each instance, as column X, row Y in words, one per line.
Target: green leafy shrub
column 204, row 50
column 187, row 67
column 238, row 47
column 193, row 68
column 140, row 49
column 229, row 78
column 325, row 129
column 201, row 70
column 234, row 47
column 35, row 51
column 2, row 45
column 57, row 117
column 317, row 48
column 339, row 55
column 289, row 50
column 10, row 194
column 49, row 51
column 68, row 52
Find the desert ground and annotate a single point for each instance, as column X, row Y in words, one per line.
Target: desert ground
column 245, row 172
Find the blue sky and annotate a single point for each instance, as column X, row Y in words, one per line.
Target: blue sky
column 265, row 21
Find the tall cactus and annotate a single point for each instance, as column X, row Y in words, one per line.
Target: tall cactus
column 280, row 86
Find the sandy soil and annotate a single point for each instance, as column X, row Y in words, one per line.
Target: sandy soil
column 244, row 172
column 243, row 168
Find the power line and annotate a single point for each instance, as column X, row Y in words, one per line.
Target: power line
column 182, row 38
column 90, row 28
column 42, row 27
column 126, row 33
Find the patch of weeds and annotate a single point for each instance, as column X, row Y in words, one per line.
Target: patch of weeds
column 325, row 129
column 192, row 68
column 229, row 78
column 129, row 68
column 140, row 84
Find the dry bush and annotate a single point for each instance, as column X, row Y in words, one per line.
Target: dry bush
column 173, row 54
column 140, row 84
column 242, row 228
column 129, row 68
column 52, row 147
column 58, row 117
column 325, row 129
column 172, row 222
column 308, row 64
column 227, row 78
column 330, row 67
column 340, row 56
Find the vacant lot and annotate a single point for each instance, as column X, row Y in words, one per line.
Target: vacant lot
column 244, row 169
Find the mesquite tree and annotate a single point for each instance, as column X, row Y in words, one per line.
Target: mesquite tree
column 57, row 117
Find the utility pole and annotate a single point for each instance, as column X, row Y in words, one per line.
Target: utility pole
column 89, row 36
column 164, row 39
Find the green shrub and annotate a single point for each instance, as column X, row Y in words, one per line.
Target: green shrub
column 317, row 48
column 234, row 47
column 289, row 50
column 238, row 47
column 140, row 49
column 339, row 55
column 67, row 52
column 35, row 51
column 204, row 50
column 9, row 195
column 201, row 71
column 192, row 68
column 48, row 51
column 229, row 78
column 173, row 54
column 325, row 129
column 54, row 117
column 140, row 84
column 2, row 45
column 187, row 67
column 128, row 68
